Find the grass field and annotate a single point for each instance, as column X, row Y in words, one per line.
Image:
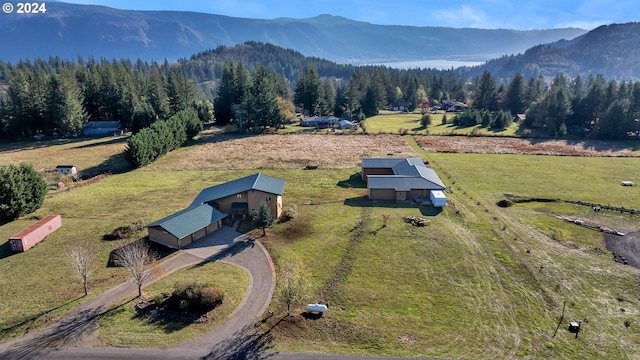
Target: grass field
column 409, row 123
column 487, row 283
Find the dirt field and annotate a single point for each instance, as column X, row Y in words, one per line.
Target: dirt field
column 283, row 151
column 495, row 145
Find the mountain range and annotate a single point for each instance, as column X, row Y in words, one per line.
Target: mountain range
column 68, row 30
column 609, row 50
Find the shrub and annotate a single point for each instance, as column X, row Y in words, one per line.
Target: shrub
column 22, row 190
column 196, row 297
column 291, row 212
column 444, row 119
column 425, row 120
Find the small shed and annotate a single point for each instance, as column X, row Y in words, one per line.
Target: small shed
column 28, row 237
column 438, row 199
column 67, row 170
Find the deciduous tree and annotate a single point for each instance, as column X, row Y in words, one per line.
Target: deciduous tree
column 293, row 277
column 137, row 258
column 81, row 257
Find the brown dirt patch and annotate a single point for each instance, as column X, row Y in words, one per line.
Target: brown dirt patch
column 286, row 151
column 624, row 248
column 502, row 145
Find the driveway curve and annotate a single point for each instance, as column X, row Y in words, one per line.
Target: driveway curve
column 68, row 337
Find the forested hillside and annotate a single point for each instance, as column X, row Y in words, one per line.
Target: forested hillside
column 610, row 50
column 260, row 86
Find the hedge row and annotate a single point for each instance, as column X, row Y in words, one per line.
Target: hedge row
column 162, row 137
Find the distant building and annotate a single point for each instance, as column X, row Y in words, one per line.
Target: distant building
column 452, row 105
column 402, row 179
column 67, row 170
column 102, row 128
column 314, row 121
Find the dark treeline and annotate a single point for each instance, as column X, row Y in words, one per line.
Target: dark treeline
column 60, row 97
column 258, row 86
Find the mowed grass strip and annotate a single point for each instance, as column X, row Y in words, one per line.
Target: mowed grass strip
column 123, row 327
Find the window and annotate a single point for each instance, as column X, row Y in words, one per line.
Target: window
column 238, row 196
column 267, row 198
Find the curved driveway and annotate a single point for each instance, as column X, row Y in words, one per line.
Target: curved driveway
column 237, row 338
column 65, row 339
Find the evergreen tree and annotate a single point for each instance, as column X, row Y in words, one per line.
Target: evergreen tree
column 515, row 97
column 225, row 95
column 263, row 218
column 309, row 92
column 22, row 190
column 613, row 124
column 485, row 93
column 261, row 101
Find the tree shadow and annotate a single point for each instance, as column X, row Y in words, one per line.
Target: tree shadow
column 36, row 317
column 114, row 164
column 363, row 201
column 115, row 140
column 248, row 343
column 67, row 332
column 354, row 181
column 5, row 250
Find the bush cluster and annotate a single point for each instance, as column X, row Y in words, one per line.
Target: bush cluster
column 196, row 297
column 162, row 137
column 498, row 120
column 22, row 190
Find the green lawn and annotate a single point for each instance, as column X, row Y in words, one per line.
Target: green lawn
column 122, row 327
column 487, row 283
column 409, row 123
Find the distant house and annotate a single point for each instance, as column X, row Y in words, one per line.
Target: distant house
column 452, row 105
column 400, row 106
column 240, row 197
column 67, row 170
column 345, row 125
column 402, row 179
column 314, row 121
column 101, row 128
column 35, row 233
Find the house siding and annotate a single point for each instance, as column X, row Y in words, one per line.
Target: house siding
column 159, row 235
column 382, row 194
column 253, row 198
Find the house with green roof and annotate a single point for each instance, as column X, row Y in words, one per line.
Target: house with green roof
column 242, row 197
column 236, row 198
column 402, row 179
column 186, row 226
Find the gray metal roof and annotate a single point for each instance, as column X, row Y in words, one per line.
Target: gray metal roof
column 257, row 181
column 409, row 173
column 389, row 162
column 189, row 220
column 401, row 183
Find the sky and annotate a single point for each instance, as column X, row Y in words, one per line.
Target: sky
column 485, row 14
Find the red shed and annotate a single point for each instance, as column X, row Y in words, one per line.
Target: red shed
column 35, row 233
